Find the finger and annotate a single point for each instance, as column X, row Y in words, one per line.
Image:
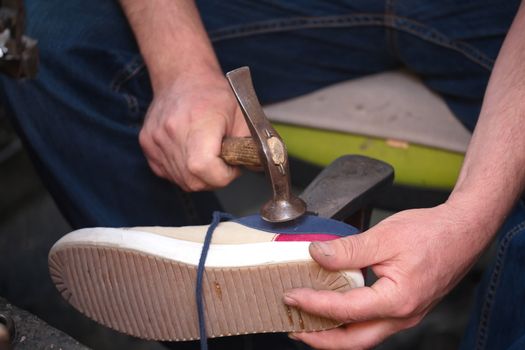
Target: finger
column 240, row 128
column 191, row 183
column 179, row 175
column 355, row 305
column 352, row 252
column 157, row 169
column 149, row 147
column 355, row 336
column 203, row 161
column 172, row 169
column 154, row 155
column 184, row 163
column 165, row 153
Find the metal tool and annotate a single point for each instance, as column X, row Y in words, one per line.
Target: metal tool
column 18, row 53
column 21, row 330
column 347, row 186
column 271, row 151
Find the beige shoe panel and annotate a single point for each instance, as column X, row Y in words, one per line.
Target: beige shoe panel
column 391, row 105
column 225, row 233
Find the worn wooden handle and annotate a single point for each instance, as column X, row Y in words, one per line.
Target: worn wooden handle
column 241, row 151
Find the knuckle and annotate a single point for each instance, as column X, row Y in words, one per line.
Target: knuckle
column 170, row 125
column 341, row 312
column 195, row 186
column 224, row 180
column 407, row 309
column 221, row 183
column 335, row 313
column 350, row 247
column 196, row 165
column 144, row 139
column 157, row 137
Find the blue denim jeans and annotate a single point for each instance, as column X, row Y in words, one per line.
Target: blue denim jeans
column 81, row 116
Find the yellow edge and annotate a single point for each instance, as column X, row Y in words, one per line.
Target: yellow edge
column 414, row 165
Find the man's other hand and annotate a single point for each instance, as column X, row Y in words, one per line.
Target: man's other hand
column 417, row 255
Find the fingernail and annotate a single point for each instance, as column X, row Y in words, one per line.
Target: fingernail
column 289, row 299
column 324, row 247
column 292, row 336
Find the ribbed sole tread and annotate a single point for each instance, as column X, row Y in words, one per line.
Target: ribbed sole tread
column 154, row 298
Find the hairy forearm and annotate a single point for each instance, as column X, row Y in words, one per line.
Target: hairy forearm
column 172, row 39
column 493, row 175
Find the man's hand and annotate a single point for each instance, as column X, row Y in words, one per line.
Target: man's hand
column 193, row 107
column 184, row 128
column 417, row 255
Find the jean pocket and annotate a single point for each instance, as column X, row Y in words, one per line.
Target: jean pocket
column 131, row 83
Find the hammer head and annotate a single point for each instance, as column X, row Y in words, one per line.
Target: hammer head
column 18, row 53
column 284, row 205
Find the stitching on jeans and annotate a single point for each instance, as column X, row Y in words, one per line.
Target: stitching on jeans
column 130, row 70
column 364, row 19
column 296, row 23
column 486, row 309
column 434, row 36
column 390, row 33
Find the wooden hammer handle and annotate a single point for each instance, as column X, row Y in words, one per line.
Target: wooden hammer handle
column 241, row 151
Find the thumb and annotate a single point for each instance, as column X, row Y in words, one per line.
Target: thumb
column 352, row 252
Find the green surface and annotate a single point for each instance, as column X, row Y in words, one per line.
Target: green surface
column 414, row 165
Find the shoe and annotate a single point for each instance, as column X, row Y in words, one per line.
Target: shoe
column 141, row 280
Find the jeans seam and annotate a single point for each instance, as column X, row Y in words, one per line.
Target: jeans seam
column 390, row 33
column 410, row 26
column 128, row 72
column 486, row 309
column 296, row 23
column 415, row 28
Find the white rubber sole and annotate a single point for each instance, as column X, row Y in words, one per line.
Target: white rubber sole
column 143, row 284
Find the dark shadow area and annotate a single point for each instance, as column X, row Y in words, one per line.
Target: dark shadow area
column 30, row 224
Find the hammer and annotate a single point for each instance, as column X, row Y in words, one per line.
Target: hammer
column 265, row 149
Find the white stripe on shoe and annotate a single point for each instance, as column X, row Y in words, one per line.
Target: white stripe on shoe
column 188, row 252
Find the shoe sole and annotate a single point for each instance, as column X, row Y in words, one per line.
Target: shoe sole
column 152, row 297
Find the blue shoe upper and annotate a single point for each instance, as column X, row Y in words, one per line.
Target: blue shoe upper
column 303, row 225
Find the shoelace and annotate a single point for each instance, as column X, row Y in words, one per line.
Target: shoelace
column 216, row 219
